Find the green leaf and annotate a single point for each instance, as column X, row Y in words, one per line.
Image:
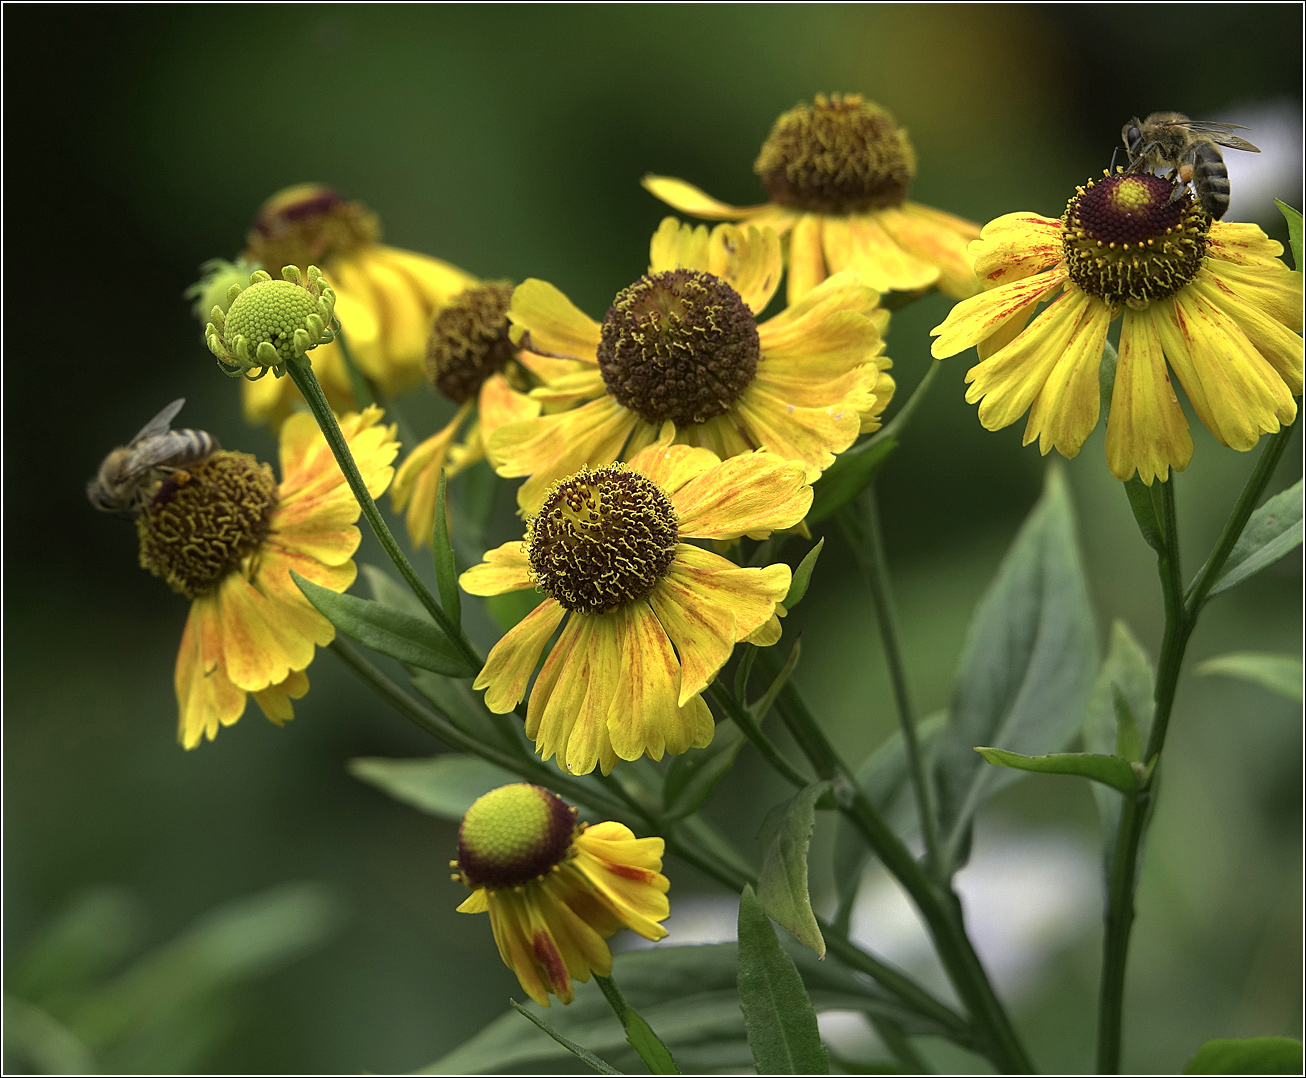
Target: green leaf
column 387, row 591
column 37, row 1040
column 1106, row 380
column 778, row 1013
column 848, row 476
column 802, row 576
column 651, row 1051
column 691, row 778
column 1126, row 677
column 583, row 1054
column 1273, row 530
column 1255, row 1055
column 759, row 709
column 1027, row 669
column 881, row 777
column 1110, row 770
column 689, row 995
column 1129, row 745
column 1293, row 217
column 446, row 569
column 444, row 786
column 782, row 883
column 1146, row 512
column 1280, row 674
column 411, row 640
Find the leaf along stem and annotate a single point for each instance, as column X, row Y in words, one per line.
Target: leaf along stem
column 744, row 720
column 1181, row 614
column 357, row 381
column 306, row 381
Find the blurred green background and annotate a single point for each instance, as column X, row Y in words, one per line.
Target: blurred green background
column 510, row 141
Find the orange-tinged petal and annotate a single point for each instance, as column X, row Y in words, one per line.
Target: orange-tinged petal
column 677, row 246
column 974, row 319
column 581, row 947
column 512, row 660
column 806, row 259
column 258, row 647
column 749, row 260
column 925, row 238
column 418, row 479
column 587, row 733
column 752, row 495
column 788, row 333
column 862, row 244
column 557, row 327
column 1066, row 409
column 505, row 569
column 689, row 199
column 644, row 716
column 574, row 632
column 275, row 701
column 1242, row 243
column 1146, row 430
column 498, row 403
column 797, row 432
column 672, row 466
column 513, row 932
column 1280, row 346
column 1014, row 247
column 206, row 698
column 291, row 609
column 565, row 677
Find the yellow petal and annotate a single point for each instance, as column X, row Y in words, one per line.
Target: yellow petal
column 290, row 609
column 689, row 199
column 1146, row 431
column 750, row 495
column 839, row 356
column 796, row 432
column 505, row 569
column 556, row 326
column 644, row 716
column 498, row 403
column 206, row 698
column 1280, row 346
column 1065, row 411
column 1243, row 244
column 588, row 732
column 696, row 722
column 676, row 246
column 476, row 902
column 748, row 260
column 789, row 332
column 512, row 660
column 258, row 648
column 806, row 260
column 1016, row 246
column 766, row 634
column 575, row 631
column 861, row 243
column 974, row 319
column 418, row 479
column 922, row 236
column 565, row 679
column 435, row 281
column 672, row 466
column 275, row 701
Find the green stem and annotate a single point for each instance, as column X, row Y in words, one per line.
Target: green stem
column 904, row 414
column 875, row 569
column 938, row 904
column 900, row 1046
column 306, row 380
column 1181, row 614
column 357, row 381
column 744, row 720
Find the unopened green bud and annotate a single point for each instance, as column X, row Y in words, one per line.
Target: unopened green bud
column 272, row 323
column 214, row 286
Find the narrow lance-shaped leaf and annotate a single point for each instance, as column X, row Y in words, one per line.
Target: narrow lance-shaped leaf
column 782, row 883
column 1293, row 217
column 1280, row 674
column 1254, row 1055
column 1027, row 669
column 639, row 1034
column 848, row 476
column 1110, row 770
column 583, row 1054
column 446, row 569
column 409, row 639
column 778, row 1014
column 693, row 776
column 1273, row 530
column 803, row 576
column 444, row 786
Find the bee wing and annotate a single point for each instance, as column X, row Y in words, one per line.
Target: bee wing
column 161, row 423
column 1220, row 134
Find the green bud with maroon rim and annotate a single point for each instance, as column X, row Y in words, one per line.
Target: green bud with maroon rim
column 513, row 835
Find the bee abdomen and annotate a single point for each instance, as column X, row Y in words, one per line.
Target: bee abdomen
column 1211, row 180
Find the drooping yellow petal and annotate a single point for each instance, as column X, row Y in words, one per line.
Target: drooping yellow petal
column 974, row 319
column 919, row 231
column 505, row 569
column 1280, row 346
column 627, row 872
column 580, row 945
column 418, row 479
column 1065, row 410
column 1146, row 431
column 689, row 199
column 512, row 660
column 275, row 700
column 677, row 246
column 1006, row 383
column 837, row 358
column 435, row 281
column 206, row 698
column 557, row 327
column 644, row 716
column 587, row 733
column 258, row 648
column 810, row 434
column 672, row 466
column 476, row 902
column 860, row 242
column 883, row 390
column 766, row 634
column 752, row 495
column 290, row 608
column 498, row 403
column 806, row 258
column 1015, row 246
column 565, row 679
column 747, row 259
column 574, row 633
column 789, row 331
column 528, row 952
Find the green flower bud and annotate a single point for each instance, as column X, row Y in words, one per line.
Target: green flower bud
column 216, row 280
column 271, row 323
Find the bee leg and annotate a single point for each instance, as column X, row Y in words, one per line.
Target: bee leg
column 1183, row 175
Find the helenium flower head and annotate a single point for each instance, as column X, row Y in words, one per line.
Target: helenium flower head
column 270, row 324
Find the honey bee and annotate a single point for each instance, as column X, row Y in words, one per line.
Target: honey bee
column 1191, row 148
column 129, row 475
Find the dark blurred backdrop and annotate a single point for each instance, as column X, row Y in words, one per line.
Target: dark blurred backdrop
column 510, row 140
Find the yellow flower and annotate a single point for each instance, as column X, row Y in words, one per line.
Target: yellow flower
column 607, row 547
column 556, row 891
column 838, row 173
column 386, row 298
column 470, row 361
column 224, row 534
column 683, row 344
column 1211, row 298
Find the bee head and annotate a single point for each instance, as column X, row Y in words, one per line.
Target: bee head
column 1132, row 135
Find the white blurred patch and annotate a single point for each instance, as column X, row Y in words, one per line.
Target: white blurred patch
column 694, row 919
column 1026, row 895
column 1257, row 179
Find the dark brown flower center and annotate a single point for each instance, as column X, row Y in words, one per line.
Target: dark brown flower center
column 839, row 155
column 679, row 345
column 308, row 225
column 602, row 539
column 469, row 341
column 1128, row 240
column 204, row 519
column 513, row 835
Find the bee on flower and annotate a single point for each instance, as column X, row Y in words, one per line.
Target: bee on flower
column 683, row 345
column 607, row 547
column 386, row 297
column 556, row 890
column 1209, row 300
column 838, row 172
